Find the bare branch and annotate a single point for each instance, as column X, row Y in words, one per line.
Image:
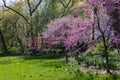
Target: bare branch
column 31, row 11
column 36, row 6
column 4, row 1
column 62, row 3
column 28, row 2
column 68, row 3
column 65, row 5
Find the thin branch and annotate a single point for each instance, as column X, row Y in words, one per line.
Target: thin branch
column 4, row 1
column 73, row 2
column 68, row 3
column 32, row 11
column 28, row 2
column 63, row 4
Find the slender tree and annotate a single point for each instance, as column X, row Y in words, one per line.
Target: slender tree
column 31, row 11
column 2, row 39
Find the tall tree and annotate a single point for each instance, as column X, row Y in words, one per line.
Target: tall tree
column 31, row 9
column 2, row 39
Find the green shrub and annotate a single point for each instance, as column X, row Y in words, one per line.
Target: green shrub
column 98, row 60
column 1, row 52
column 95, row 57
column 13, row 50
column 97, row 49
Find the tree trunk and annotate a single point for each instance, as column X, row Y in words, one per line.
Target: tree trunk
column 77, row 58
column 67, row 60
column 32, row 36
column 4, row 47
column 21, row 45
column 66, row 56
column 107, row 60
column 103, row 40
column 106, row 54
column 93, row 33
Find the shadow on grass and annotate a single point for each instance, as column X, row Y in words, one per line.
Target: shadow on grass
column 45, row 56
column 53, row 64
column 9, row 54
column 38, row 56
column 5, row 62
column 7, row 59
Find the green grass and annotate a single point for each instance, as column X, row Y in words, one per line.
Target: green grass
column 33, row 68
column 44, row 68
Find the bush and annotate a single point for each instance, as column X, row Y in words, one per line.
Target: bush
column 14, row 50
column 53, row 52
column 95, row 57
column 1, row 52
column 98, row 49
column 99, row 61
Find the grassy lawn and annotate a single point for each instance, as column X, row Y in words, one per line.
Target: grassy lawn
column 44, row 68
column 33, row 68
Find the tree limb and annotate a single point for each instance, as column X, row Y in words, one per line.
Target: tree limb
column 63, row 4
column 28, row 2
column 4, row 1
column 32, row 11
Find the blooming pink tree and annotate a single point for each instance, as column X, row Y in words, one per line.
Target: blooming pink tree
column 69, row 31
column 92, row 17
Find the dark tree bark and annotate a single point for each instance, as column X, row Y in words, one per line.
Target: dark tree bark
column 104, row 41
column 4, row 47
column 21, row 45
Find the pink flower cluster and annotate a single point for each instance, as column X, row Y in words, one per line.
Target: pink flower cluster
column 69, row 30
